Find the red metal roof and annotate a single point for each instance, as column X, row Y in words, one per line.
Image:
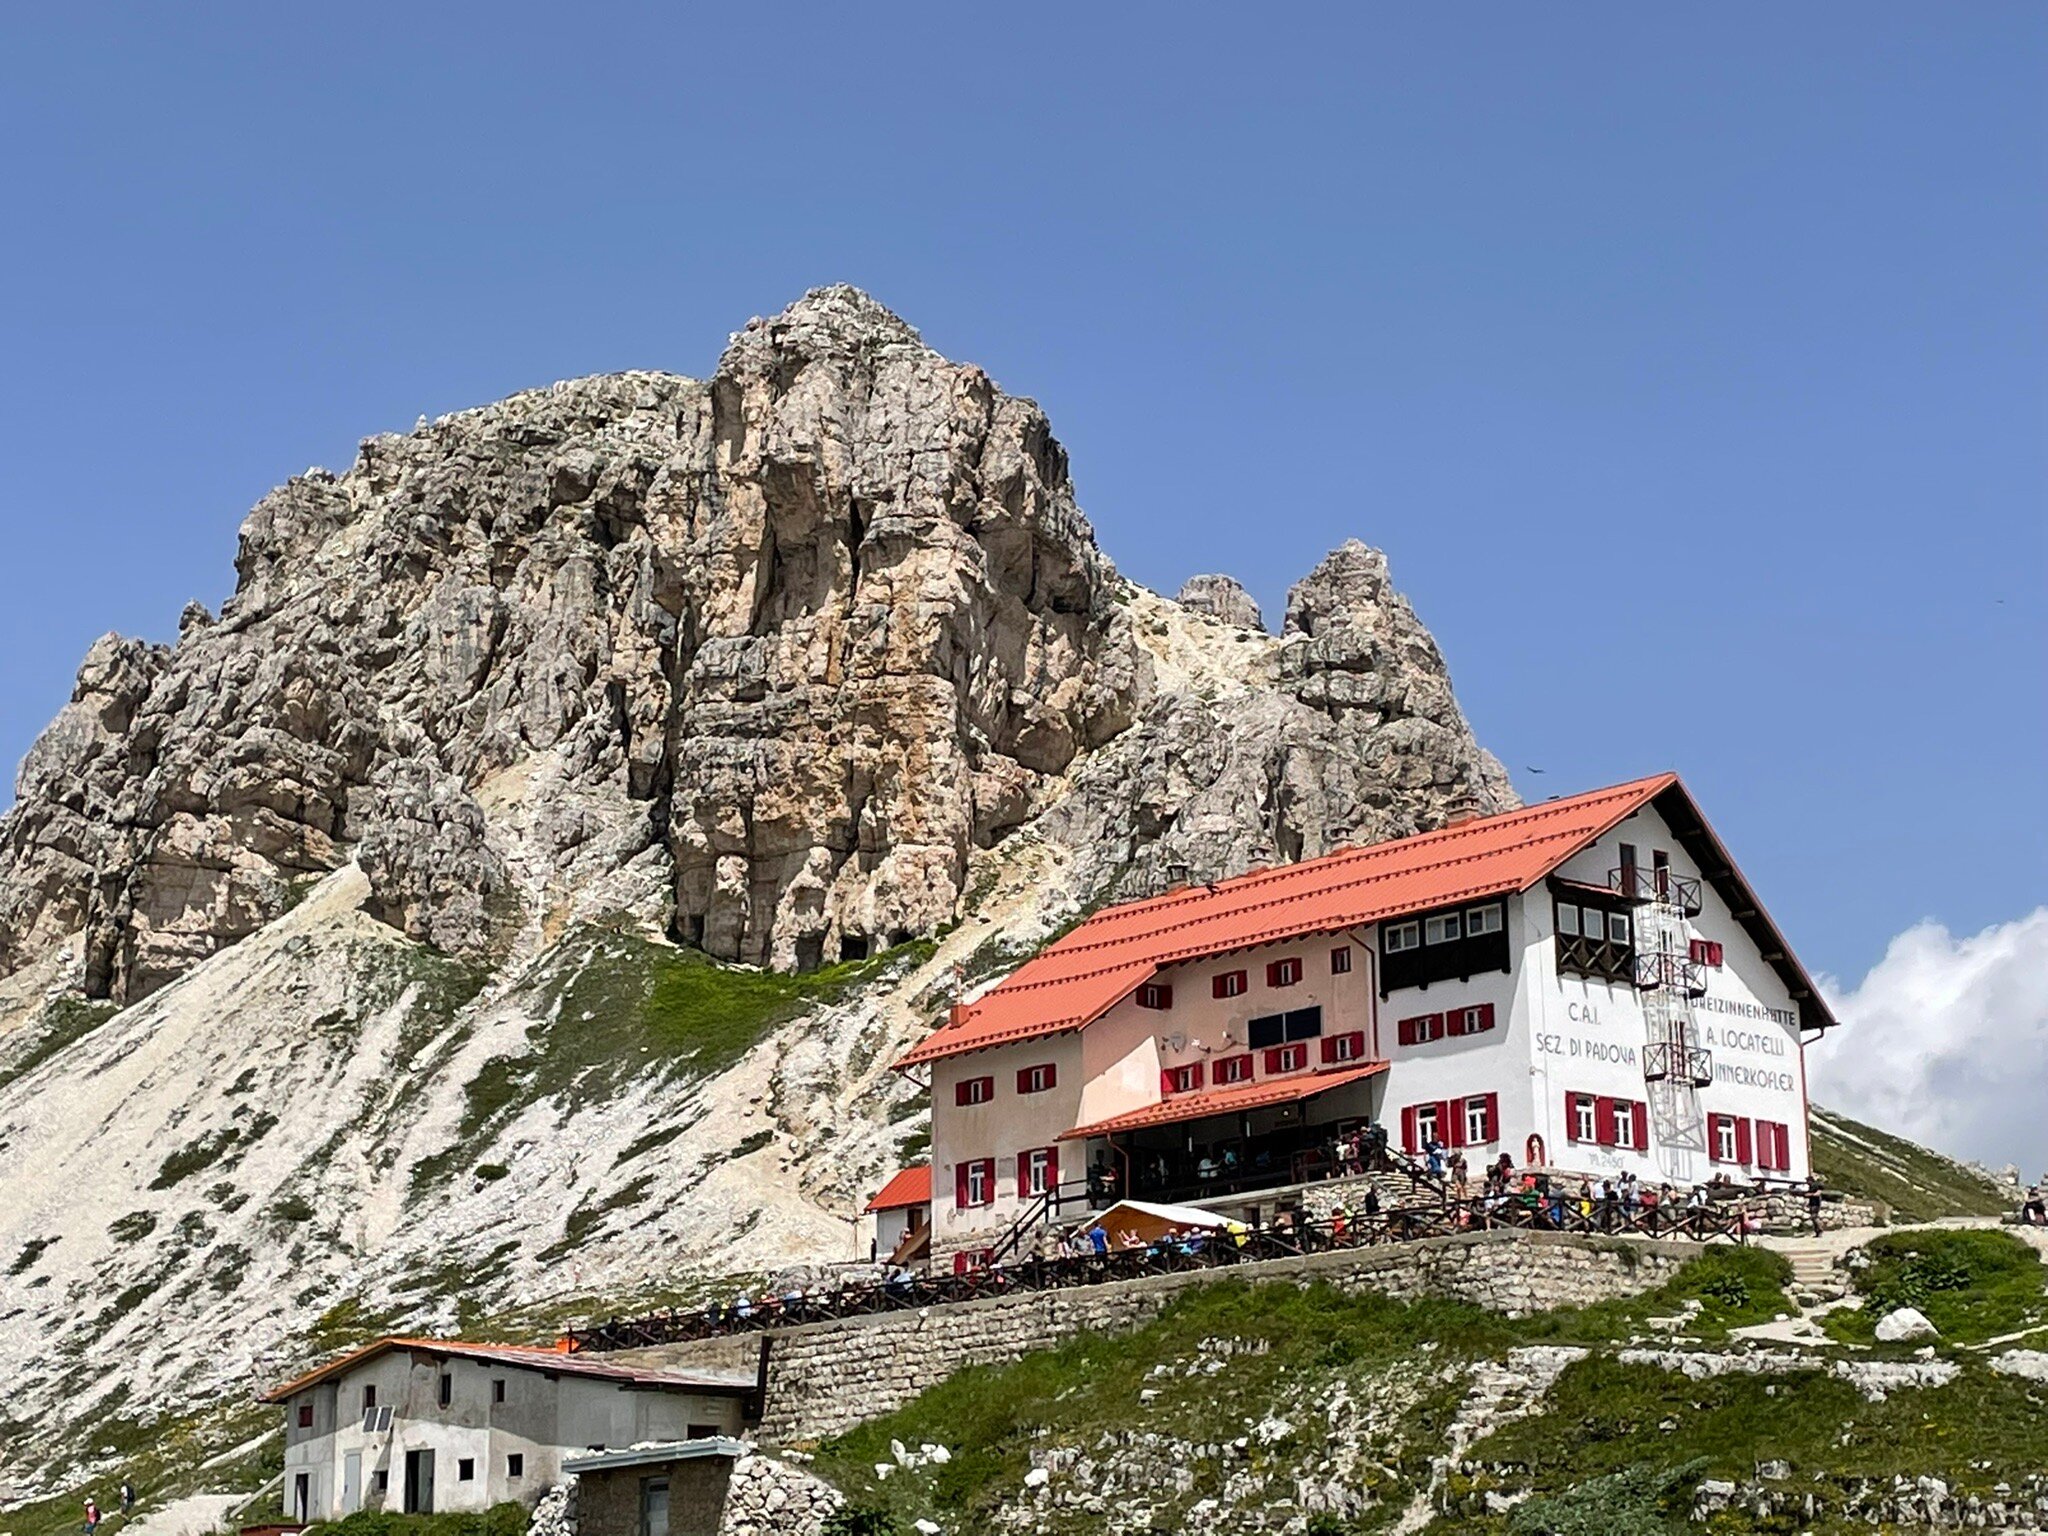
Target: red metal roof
column 913, row 1186
column 1227, row 1101
column 530, row 1356
column 1088, row 972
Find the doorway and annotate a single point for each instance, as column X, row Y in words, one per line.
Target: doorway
column 351, row 1482
column 302, row 1498
column 419, row 1483
column 653, row 1506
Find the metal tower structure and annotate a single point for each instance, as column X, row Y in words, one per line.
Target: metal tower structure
column 1668, row 978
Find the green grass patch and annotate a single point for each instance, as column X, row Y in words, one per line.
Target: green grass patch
column 60, row 1023
column 992, row 1417
column 498, row 1520
column 1604, row 1418
column 215, row 1147
column 1734, row 1286
column 31, row 1250
column 1972, row 1285
column 616, row 1006
column 1918, row 1185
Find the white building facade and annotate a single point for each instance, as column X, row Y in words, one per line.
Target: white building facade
column 424, row 1426
column 1587, row 985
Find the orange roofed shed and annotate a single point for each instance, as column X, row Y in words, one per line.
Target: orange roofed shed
column 911, row 1187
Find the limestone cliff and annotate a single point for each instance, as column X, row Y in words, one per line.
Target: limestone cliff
column 763, row 660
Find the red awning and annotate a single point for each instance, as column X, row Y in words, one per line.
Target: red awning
column 1227, row 1101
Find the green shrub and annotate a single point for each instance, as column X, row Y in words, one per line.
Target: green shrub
column 1972, row 1285
column 861, row 1520
column 498, row 1520
column 1643, row 1501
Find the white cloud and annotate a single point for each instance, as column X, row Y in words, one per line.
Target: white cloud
column 1946, row 1041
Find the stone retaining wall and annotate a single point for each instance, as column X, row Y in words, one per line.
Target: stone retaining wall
column 824, row 1378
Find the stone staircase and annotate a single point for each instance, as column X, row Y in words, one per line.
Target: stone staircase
column 1814, row 1276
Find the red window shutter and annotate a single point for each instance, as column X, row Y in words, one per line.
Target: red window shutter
column 1023, row 1079
column 1713, row 1138
column 1408, row 1142
column 1196, row 1075
column 1052, row 1168
column 1641, row 1114
column 1357, row 1038
column 1404, row 1032
column 1329, row 1049
column 1273, row 972
column 1165, row 1081
column 1435, row 1026
column 1493, row 1117
column 1571, row 1116
column 1603, row 1121
column 1454, row 1022
column 1742, row 1141
column 960, row 1185
column 1165, row 996
column 1486, row 1015
column 1216, row 984
column 1023, row 1175
column 1052, row 1075
column 960, row 1091
column 1450, row 1117
column 1273, row 1060
column 1784, row 1148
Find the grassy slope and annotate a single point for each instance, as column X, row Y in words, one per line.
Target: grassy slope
column 616, row 1006
column 1973, row 1286
column 1917, row 1184
column 1288, row 1355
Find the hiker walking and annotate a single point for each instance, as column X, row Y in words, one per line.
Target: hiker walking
column 127, row 1496
column 1813, row 1204
column 92, row 1518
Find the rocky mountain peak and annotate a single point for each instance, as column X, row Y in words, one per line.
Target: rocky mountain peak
column 765, row 662
column 1221, row 597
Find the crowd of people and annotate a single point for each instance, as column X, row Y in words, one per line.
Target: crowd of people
column 1443, row 1195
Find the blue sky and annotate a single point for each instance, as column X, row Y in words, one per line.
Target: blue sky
column 1689, row 362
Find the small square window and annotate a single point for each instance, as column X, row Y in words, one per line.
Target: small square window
column 1442, row 929
column 1480, row 920
column 1624, row 1123
column 497, row 1389
column 1229, row 984
column 381, row 1480
column 1155, row 995
column 515, row 1465
column 1402, row 936
column 1586, row 1118
column 1478, row 1127
column 465, row 1469
column 305, row 1415
column 1340, row 960
column 1568, row 919
column 1617, row 927
column 1234, row 1069
column 369, row 1396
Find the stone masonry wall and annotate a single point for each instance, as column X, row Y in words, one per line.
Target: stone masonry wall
column 827, row 1377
